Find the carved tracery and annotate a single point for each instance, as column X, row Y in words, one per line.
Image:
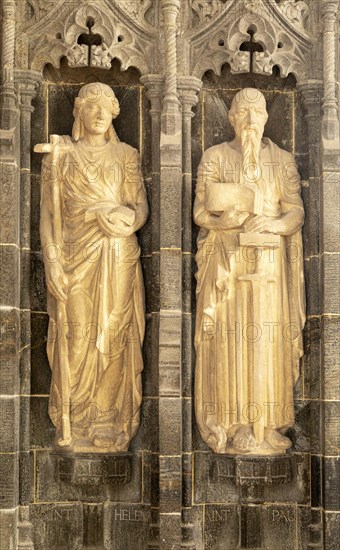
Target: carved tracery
column 62, row 33
column 282, row 42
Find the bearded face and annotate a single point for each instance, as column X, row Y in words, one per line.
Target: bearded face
column 249, row 119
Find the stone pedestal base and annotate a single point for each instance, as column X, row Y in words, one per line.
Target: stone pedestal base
column 93, row 468
column 252, row 474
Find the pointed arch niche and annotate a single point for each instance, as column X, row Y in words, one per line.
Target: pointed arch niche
column 65, row 63
column 253, row 44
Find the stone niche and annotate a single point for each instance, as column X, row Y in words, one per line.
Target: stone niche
column 88, row 500
column 230, row 492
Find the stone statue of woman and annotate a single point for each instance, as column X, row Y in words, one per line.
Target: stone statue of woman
column 93, row 201
column 250, row 287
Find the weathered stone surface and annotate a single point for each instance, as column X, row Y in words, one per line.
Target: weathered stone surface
column 311, row 375
column 312, row 282
column 171, row 272
column 38, row 283
column 9, row 264
column 331, row 471
column 331, row 429
column 170, row 415
column 148, row 424
column 316, row 475
column 316, row 413
column 50, row 488
column 170, row 484
column 126, row 526
column 8, row 203
column 9, row 489
column 58, row 526
column 221, row 527
column 279, row 524
column 9, row 379
column 150, row 355
column 35, row 244
column 331, row 358
column 8, row 528
column 331, row 201
column 40, row 369
column 331, row 273
column 332, row 530
column 222, row 485
column 42, row 431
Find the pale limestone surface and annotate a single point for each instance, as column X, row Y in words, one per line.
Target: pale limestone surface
column 93, row 201
column 250, row 292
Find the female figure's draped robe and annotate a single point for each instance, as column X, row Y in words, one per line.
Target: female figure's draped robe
column 225, row 333
column 105, row 295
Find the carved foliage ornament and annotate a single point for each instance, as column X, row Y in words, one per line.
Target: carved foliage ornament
column 295, row 11
column 89, row 35
column 135, row 9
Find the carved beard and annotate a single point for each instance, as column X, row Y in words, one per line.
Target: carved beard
column 251, row 146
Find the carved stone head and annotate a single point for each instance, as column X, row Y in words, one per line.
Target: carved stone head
column 248, row 113
column 94, row 109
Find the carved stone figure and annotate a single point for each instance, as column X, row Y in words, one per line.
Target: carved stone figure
column 92, row 202
column 250, row 287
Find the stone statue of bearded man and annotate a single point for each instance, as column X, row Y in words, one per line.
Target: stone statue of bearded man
column 92, row 202
column 250, row 287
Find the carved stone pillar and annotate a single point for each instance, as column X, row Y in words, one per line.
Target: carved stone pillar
column 330, row 272
column 188, row 93
column 154, row 87
column 170, row 10
column 27, row 88
column 7, row 93
column 170, row 277
column 9, row 287
column 330, row 123
column 311, row 95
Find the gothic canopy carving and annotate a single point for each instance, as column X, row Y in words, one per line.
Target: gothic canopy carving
column 92, row 33
column 250, row 35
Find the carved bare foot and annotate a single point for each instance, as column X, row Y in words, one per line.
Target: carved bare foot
column 102, row 439
column 217, row 439
column 122, row 442
column 278, row 441
column 244, row 440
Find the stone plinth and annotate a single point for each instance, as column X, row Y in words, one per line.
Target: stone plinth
column 92, row 468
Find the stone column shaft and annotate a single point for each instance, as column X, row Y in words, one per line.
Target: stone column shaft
column 7, row 92
column 188, row 93
column 170, row 325
column 329, row 10
column 154, row 87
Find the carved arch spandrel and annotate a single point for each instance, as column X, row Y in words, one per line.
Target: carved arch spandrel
column 284, row 43
column 56, row 36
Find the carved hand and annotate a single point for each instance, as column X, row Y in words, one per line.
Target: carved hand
column 232, row 218
column 116, row 229
column 262, row 224
column 56, row 280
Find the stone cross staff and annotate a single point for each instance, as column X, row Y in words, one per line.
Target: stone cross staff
column 53, row 148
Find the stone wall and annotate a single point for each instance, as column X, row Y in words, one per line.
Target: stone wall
column 174, row 67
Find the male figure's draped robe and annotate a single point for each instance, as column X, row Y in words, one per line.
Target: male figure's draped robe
column 105, row 295
column 225, row 328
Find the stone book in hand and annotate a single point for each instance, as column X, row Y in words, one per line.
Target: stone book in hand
column 221, row 197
